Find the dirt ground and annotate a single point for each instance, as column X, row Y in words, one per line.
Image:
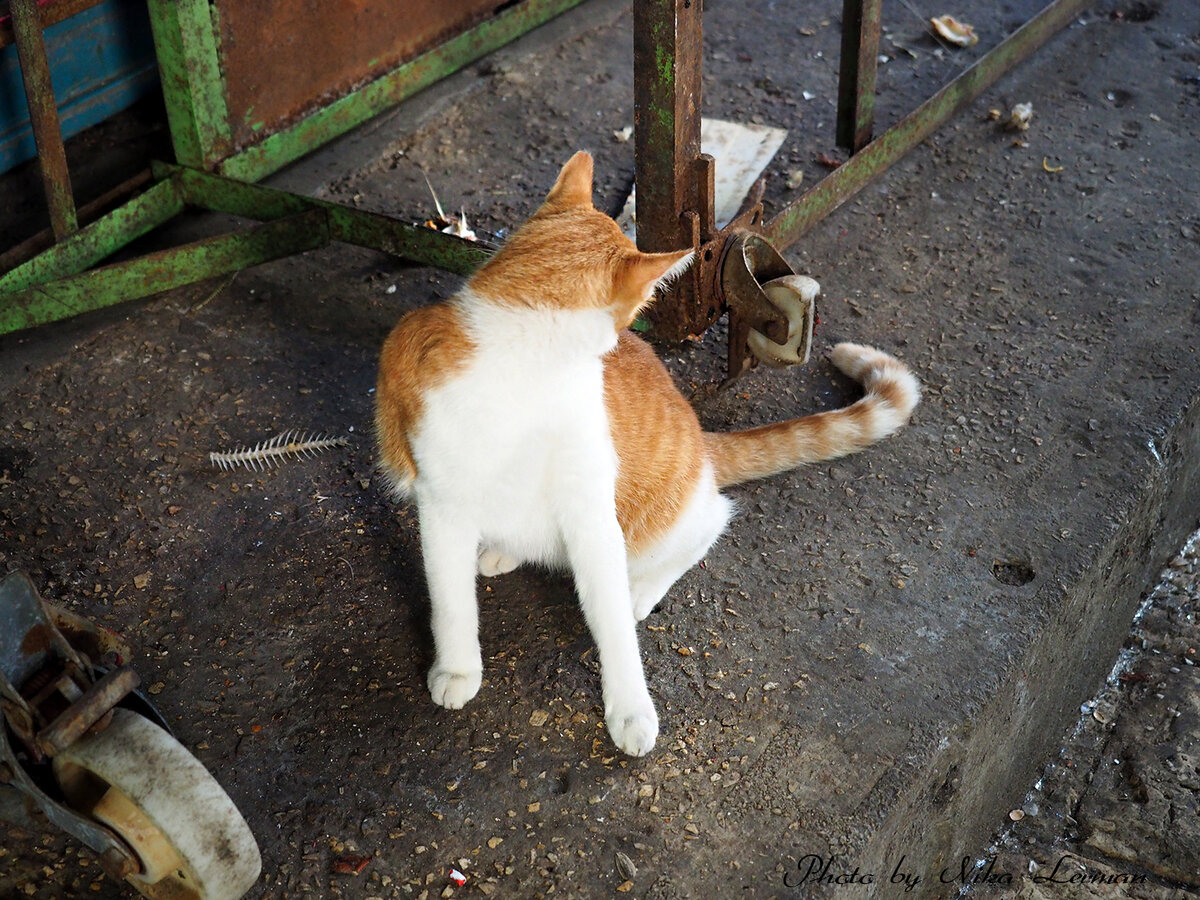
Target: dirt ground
column 908, row 630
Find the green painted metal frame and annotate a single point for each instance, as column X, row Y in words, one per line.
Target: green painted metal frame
column 213, row 175
column 185, row 35
column 58, row 282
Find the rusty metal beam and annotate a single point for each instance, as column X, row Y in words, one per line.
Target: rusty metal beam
column 162, row 271
column 102, row 238
column 794, row 220
column 671, row 177
column 49, row 14
column 667, row 58
column 217, row 193
column 43, row 116
column 856, row 80
column 89, row 212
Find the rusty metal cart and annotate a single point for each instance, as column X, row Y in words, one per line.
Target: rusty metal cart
column 82, row 745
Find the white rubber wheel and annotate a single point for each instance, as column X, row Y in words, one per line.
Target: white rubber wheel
column 133, row 777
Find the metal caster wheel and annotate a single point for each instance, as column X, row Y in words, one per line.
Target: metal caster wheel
column 189, row 838
column 794, row 296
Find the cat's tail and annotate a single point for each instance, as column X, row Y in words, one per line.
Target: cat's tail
column 891, row 394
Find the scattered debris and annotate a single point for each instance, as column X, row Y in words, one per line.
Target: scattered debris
column 455, row 225
column 1019, row 117
column 958, row 33
column 265, row 454
column 538, row 718
column 350, row 864
column 1049, row 168
column 795, row 177
column 829, row 162
column 623, row 135
column 1017, row 815
column 458, row 877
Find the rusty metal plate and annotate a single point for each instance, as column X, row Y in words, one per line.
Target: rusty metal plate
column 284, row 58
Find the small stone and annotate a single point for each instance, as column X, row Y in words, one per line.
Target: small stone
column 494, row 842
column 539, row 718
column 625, row 887
column 533, row 807
column 1017, row 815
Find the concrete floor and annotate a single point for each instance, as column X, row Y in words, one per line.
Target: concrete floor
column 876, row 661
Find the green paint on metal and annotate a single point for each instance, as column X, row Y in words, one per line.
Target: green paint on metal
column 185, row 40
column 282, row 147
column 162, row 271
column 352, row 226
column 794, row 220
column 104, row 236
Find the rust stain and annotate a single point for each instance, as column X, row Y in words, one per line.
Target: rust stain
column 38, row 639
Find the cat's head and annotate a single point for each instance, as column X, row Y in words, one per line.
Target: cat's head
column 569, row 255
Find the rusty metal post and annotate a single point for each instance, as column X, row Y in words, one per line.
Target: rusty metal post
column 43, row 116
column 856, row 79
column 667, row 62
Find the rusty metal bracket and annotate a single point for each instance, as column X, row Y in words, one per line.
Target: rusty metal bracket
column 674, row 179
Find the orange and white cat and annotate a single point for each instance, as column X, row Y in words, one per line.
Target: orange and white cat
column 529, row 426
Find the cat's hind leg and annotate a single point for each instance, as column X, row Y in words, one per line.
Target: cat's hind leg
column 494, row 562
column 655, row 568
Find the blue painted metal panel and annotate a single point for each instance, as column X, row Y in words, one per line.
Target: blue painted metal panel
column 101, row 60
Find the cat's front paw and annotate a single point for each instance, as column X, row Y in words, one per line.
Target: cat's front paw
column 453, row 689
column 634, row 729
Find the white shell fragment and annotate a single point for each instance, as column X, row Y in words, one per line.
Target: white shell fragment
column 958, row 33
column 1019, row 118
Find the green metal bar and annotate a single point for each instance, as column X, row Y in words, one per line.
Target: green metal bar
column 794, row 220
column 162, row 271
column 104, row 236
column 185, row 40
column 353, row 226
column 337, row 118
column 43, row 116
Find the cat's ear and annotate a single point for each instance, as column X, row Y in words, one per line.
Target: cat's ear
column 637, row 276
column 574, row 184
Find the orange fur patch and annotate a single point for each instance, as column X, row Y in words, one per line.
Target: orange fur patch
column 657, row 438
column 426, row 347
